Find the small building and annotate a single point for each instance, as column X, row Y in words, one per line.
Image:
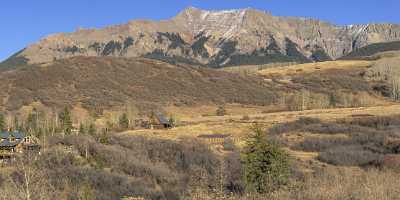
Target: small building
column 16, row 142
column 159, row 121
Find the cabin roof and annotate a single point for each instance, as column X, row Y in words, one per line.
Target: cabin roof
column 161, row 117
column 7, row 143
column 8, row 134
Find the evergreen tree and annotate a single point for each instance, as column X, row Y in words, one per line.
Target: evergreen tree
column 2, row 122
column 266, row 166
column 66, row 121
column 172, row 121
column 332, row 100
column 39, row 133
column 82, row 129
column 124, row 121
column 104, row 137
column 31, row 123
column 16, row 123
column 92, row 129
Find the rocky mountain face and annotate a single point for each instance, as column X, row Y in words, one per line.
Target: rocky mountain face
column 213, row 38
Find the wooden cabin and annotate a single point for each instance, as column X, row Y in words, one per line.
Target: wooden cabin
column 16, row 142
column 159, row 121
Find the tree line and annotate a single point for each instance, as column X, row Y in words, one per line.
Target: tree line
column 42, row 124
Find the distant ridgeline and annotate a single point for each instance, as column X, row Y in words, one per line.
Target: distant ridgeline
column 216, row 39
column 227, row 57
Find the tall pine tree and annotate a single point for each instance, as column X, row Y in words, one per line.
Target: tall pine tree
column 92, row 129
column 82, row 129
column 31, row 124
column 2, row 122
column 124, row 121
column 66, row 121
column 16, row 124
column 266, row 166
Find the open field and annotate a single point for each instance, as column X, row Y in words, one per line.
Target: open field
column 255, row 68
column 314, row 67
column 324, row 114
column 238, row 127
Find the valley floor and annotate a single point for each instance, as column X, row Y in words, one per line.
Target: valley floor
column 237, row 128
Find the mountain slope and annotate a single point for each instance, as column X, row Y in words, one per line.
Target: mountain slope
column 372, row 49
column 214, row 38
column 106, row 82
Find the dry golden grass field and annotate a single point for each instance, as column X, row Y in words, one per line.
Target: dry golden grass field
column 237, row 126
column 313, row 67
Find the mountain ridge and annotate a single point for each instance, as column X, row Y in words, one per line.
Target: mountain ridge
column 216, row 39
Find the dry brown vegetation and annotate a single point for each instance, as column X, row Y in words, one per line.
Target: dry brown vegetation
column 386, row 71
column 104, row 83
column 155, row 167
column 346, row 184
column 99, row 84
column 328, row 84
column 337, row 152
column 124, row 166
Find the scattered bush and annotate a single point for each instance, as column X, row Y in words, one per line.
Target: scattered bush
column 228, row 145
column 246, row 117
column 291, row 126
column 221, row 111
column 123, row 121
column 321, row 144
column 345, row 185
column 349, row 156
column 130, row 166
column 362, row 140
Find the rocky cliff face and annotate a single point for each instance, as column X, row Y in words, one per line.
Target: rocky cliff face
column 215, row 38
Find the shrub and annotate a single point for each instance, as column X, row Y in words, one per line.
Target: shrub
column 221, row 111
column 228, row 145
column 246, row 117
column 291, row 126
column 345, row 184
column 321, row 144
column 349, row 156
column 172, row 121
column 123, row 121
column 328, row 128
column 133, row 166
column 234, row 172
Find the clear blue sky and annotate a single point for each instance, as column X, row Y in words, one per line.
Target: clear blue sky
column 25, row 21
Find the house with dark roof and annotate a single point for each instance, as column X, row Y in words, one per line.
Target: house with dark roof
column 159, row 121
column 15, row 142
